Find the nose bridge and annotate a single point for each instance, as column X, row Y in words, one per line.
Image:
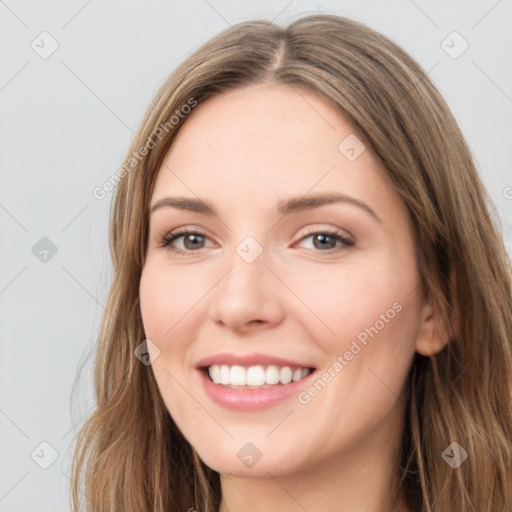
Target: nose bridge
column 247, row 276
column 246, row 292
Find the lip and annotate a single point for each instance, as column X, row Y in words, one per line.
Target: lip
column 250, row 399
column 249, row 360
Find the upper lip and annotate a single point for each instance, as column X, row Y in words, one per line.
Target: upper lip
column 249, row 360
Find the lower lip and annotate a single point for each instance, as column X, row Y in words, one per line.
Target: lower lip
column 250, row 399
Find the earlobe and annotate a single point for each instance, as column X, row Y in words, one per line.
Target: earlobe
column 433, row 334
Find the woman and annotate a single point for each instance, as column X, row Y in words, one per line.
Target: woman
column 311, row 306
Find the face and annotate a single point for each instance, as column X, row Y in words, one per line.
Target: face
column 298, row 265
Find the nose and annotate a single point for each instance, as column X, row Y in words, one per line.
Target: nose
column 248, row 297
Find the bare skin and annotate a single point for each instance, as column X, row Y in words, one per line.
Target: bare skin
column 305, row 297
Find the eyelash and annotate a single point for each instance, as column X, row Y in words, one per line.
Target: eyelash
column 167, row 240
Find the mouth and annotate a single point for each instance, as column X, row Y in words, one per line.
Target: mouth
column 252, row 382
column 255, row 376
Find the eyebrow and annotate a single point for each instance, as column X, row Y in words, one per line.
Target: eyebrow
column 285, row 207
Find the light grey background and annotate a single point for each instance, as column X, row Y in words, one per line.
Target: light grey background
column 66, row 122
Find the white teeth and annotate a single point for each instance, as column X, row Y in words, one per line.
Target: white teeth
column 224, row 375
column 214, row 372
column 272, row 375
column 255, row 376
column 286, row 375
column 238, row 376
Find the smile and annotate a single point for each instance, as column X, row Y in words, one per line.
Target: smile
column 255, row 377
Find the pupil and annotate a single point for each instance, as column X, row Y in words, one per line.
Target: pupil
column 322, row 238
column 194, row 239
column 190, row 238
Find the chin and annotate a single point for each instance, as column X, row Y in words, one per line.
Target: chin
column 248, row 460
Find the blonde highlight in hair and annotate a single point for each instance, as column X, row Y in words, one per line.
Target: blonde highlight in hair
column 131, row 456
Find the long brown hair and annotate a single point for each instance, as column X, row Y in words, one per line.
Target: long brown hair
column 130, row 456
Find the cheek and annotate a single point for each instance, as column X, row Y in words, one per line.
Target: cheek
column 166, row 298
column 172, row 303
column 367, row 358
column 346, row 300
column 367, row 315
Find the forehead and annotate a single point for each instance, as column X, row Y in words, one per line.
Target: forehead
column 253, row 146
column 267, row 122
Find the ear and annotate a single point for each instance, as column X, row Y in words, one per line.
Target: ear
column 433, row 333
